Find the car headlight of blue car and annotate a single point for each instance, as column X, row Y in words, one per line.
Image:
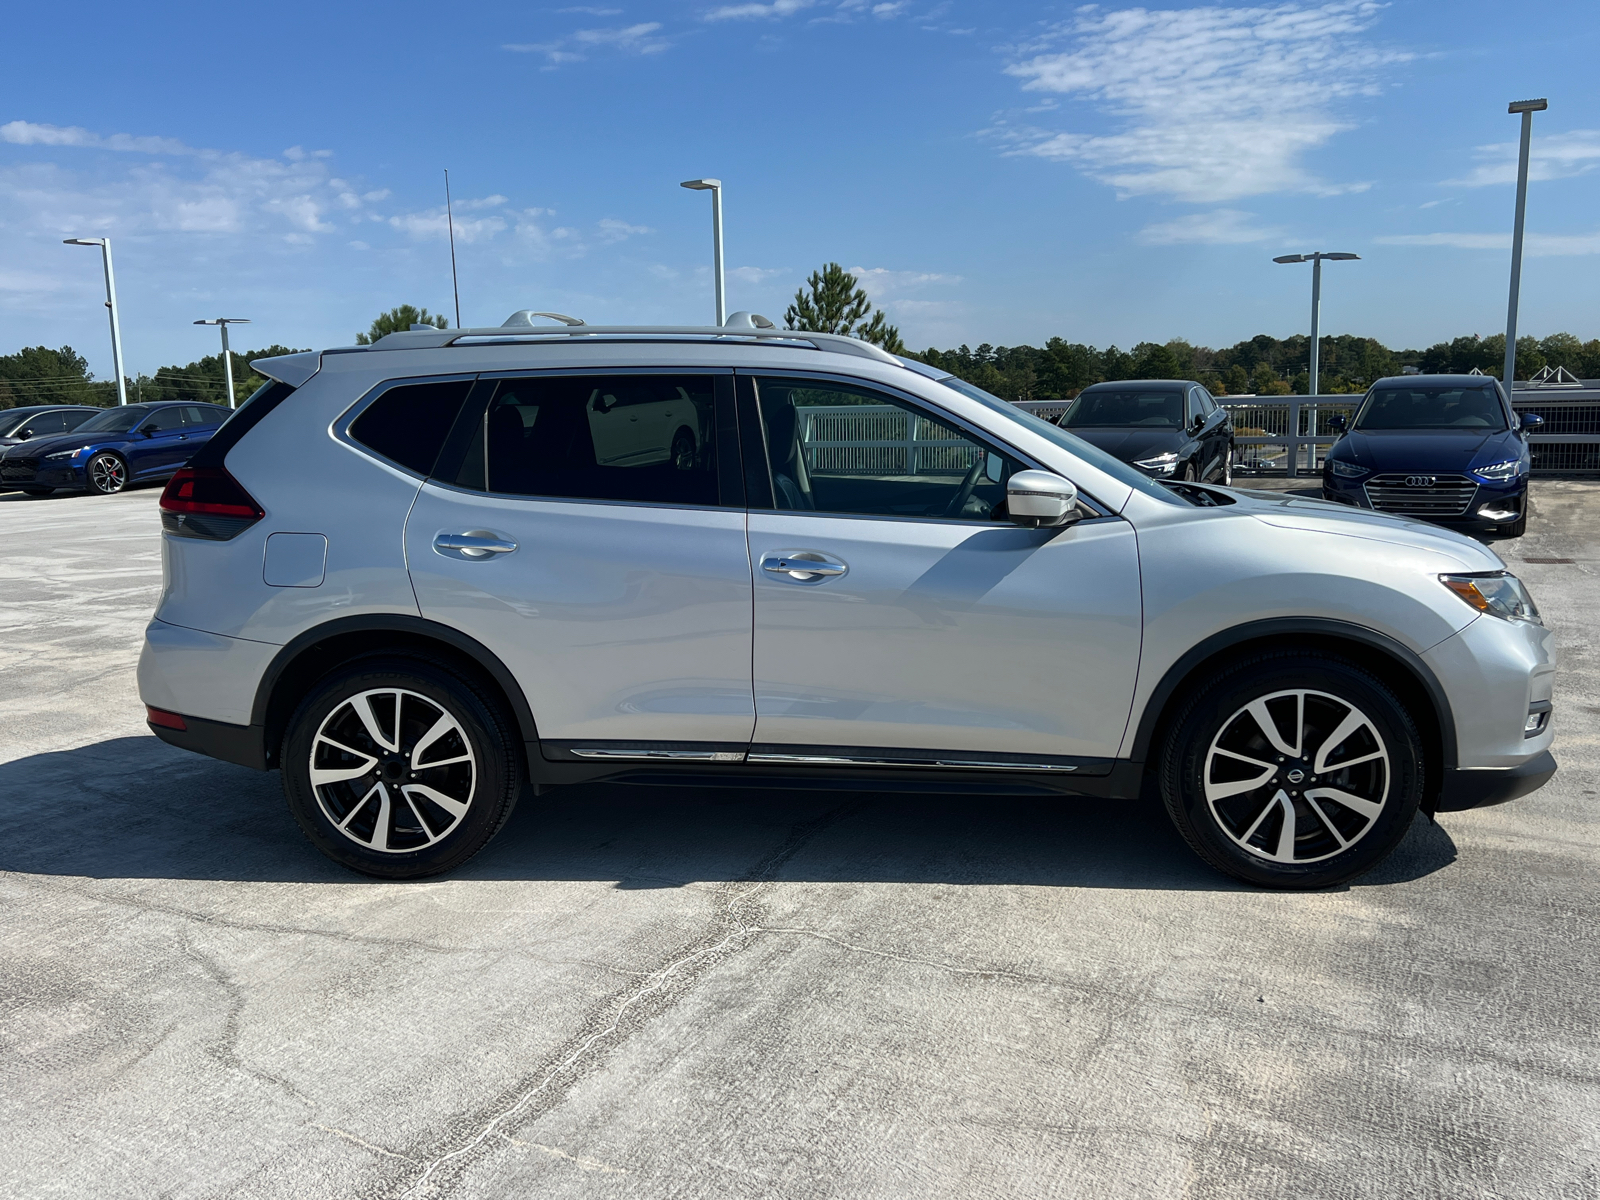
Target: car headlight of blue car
column 1500, row 472
column 60, row 455
column 1346, row 470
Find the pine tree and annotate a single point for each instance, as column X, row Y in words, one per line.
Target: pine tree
column 837, row 305
column 398, row 320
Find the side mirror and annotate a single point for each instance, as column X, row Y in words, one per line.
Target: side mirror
column 1530, row 422
column 23, row 435
column 1041, row 500
column 1199, row 420
column 1337, row 422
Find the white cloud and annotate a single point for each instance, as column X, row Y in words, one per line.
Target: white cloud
column 613, row 231
column 1213, row 103
column 26, row 133
column 884, row 285
column 754, row 275
column 746, row 12
column 434, row 223
column 1553, row 156
column 634, row 39
column 1222, row 227
column 1535, row 245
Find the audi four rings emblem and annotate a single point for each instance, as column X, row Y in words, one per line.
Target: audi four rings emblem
column 1421, row 480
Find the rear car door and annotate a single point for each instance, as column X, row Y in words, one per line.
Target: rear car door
column 612, row 580
column 898, row 614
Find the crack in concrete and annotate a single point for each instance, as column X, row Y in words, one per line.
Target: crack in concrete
column 583, row 1164
column 364, row 1144
column 730, row 926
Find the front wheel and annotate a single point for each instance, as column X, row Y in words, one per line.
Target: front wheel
column 399, row 768
column 107, row 474
column 1293, row 771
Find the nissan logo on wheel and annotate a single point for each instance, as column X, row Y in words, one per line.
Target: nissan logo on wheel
column 1421, row 480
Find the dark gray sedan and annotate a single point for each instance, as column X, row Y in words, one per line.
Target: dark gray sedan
column 1168, row 428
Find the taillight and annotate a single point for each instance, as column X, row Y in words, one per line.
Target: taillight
column 165, row 719
column 207, row 502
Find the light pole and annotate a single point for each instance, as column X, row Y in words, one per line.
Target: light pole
column 1316, row 337
column 111, row 303
column 714, row 186
column 1527, row 108
column 227, row 355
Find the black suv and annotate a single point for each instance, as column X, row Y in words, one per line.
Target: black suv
column 1168, row 428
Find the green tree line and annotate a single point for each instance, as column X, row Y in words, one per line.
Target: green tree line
column 1263, row 365
column 40, row 375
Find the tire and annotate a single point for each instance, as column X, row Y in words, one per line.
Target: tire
column 1227, row 468
column 37, row 491
column 1517, row 528
column 1271, row 832
column 683, row 450
column 106, row 474
column 380, row 816
column 1188, row 473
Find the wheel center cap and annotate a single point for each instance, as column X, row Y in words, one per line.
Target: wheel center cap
column 395, row 769
column 1295, row 776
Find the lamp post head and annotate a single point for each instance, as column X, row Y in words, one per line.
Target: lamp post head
column 1299, row 258
column 225, row 321
column 83, row 241
column 1522, row 106
column 1342, row 257
column 701, row 185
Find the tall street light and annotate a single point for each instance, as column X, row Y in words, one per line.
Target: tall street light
column 1316, row 300
column 714, row 186
column 1527, row 108
column 227, row 355
column 111, row 303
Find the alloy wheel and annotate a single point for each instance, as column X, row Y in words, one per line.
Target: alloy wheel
column 107, row 474
column 393, row 770
column 1297, row 776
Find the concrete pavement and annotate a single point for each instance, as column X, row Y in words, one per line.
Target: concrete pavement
column 669, row 993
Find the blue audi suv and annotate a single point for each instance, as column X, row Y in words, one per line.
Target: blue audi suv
column 1446, row 448
column 134, row 443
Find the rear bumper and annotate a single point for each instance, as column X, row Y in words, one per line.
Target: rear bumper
column 242, row 744
column 1481, row 788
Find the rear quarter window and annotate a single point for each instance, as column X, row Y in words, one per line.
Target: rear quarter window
column 408, row 423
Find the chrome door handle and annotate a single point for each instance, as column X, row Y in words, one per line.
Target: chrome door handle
column 803, row 565
column 474, row 545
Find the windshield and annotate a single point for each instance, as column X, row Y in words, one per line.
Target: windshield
column 1093, row 455
column 1153, row 410
column 114, row 420
column 1425, row 407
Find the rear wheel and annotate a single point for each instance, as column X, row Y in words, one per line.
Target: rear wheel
column 399, row 768
column 107, row 474
column 683, row 454
column 1293, row 771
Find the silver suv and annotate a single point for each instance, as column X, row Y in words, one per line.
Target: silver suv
column 419, row 575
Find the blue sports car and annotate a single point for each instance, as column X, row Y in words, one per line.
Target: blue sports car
column 133, row 443
column 1447, row 448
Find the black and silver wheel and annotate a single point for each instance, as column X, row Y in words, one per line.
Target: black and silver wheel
column 1227, row 468
column 683, row 450
column 400, row 769
column 1293, row 771
column 106, row 473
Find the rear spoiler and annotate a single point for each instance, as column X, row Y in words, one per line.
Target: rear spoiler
column 293, row 369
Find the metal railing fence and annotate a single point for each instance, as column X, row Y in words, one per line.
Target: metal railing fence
column 879, row 439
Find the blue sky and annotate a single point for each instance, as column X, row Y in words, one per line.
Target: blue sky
column 998, row 172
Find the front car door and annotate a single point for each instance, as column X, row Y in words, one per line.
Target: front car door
column 614, row 584
column 159, row 446
column 899, row 615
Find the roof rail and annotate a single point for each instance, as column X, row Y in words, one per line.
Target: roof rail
column 832, row 342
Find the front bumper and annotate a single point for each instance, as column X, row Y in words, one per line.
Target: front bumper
column 1481, row 788
column 1491, row 506
column 35, row 472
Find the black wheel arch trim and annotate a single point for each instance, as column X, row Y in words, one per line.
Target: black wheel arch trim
column 1281, row 627
column 380, row 623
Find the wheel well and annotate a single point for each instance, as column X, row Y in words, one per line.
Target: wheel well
column 1419, row 694
column 303, row 666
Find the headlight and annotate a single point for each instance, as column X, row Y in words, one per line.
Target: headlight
column 1499, row 593
column 1162, row 463
column 1499, row 472
column 65, row 454
column 1347, row 469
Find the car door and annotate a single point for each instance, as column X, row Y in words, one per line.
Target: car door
column 618, row 595
column 899, row 614
column 159, row 446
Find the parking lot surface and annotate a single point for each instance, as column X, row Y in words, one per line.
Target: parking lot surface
column 673, row 993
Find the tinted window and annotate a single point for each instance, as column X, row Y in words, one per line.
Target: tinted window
column 1159, row 410
column 645, row 438
column 408, row 424
column 1208, row 405
column 115, row 420
column 44, row 425
column 1473, row 408
column 76, row 417
column 834, row 448
column 203, row 414
column 163, row 420
column 1196, row 411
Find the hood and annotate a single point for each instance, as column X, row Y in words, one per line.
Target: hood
column 40, row 446
column 1421, row 450
column 1130, row 442
column 1323, row 516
